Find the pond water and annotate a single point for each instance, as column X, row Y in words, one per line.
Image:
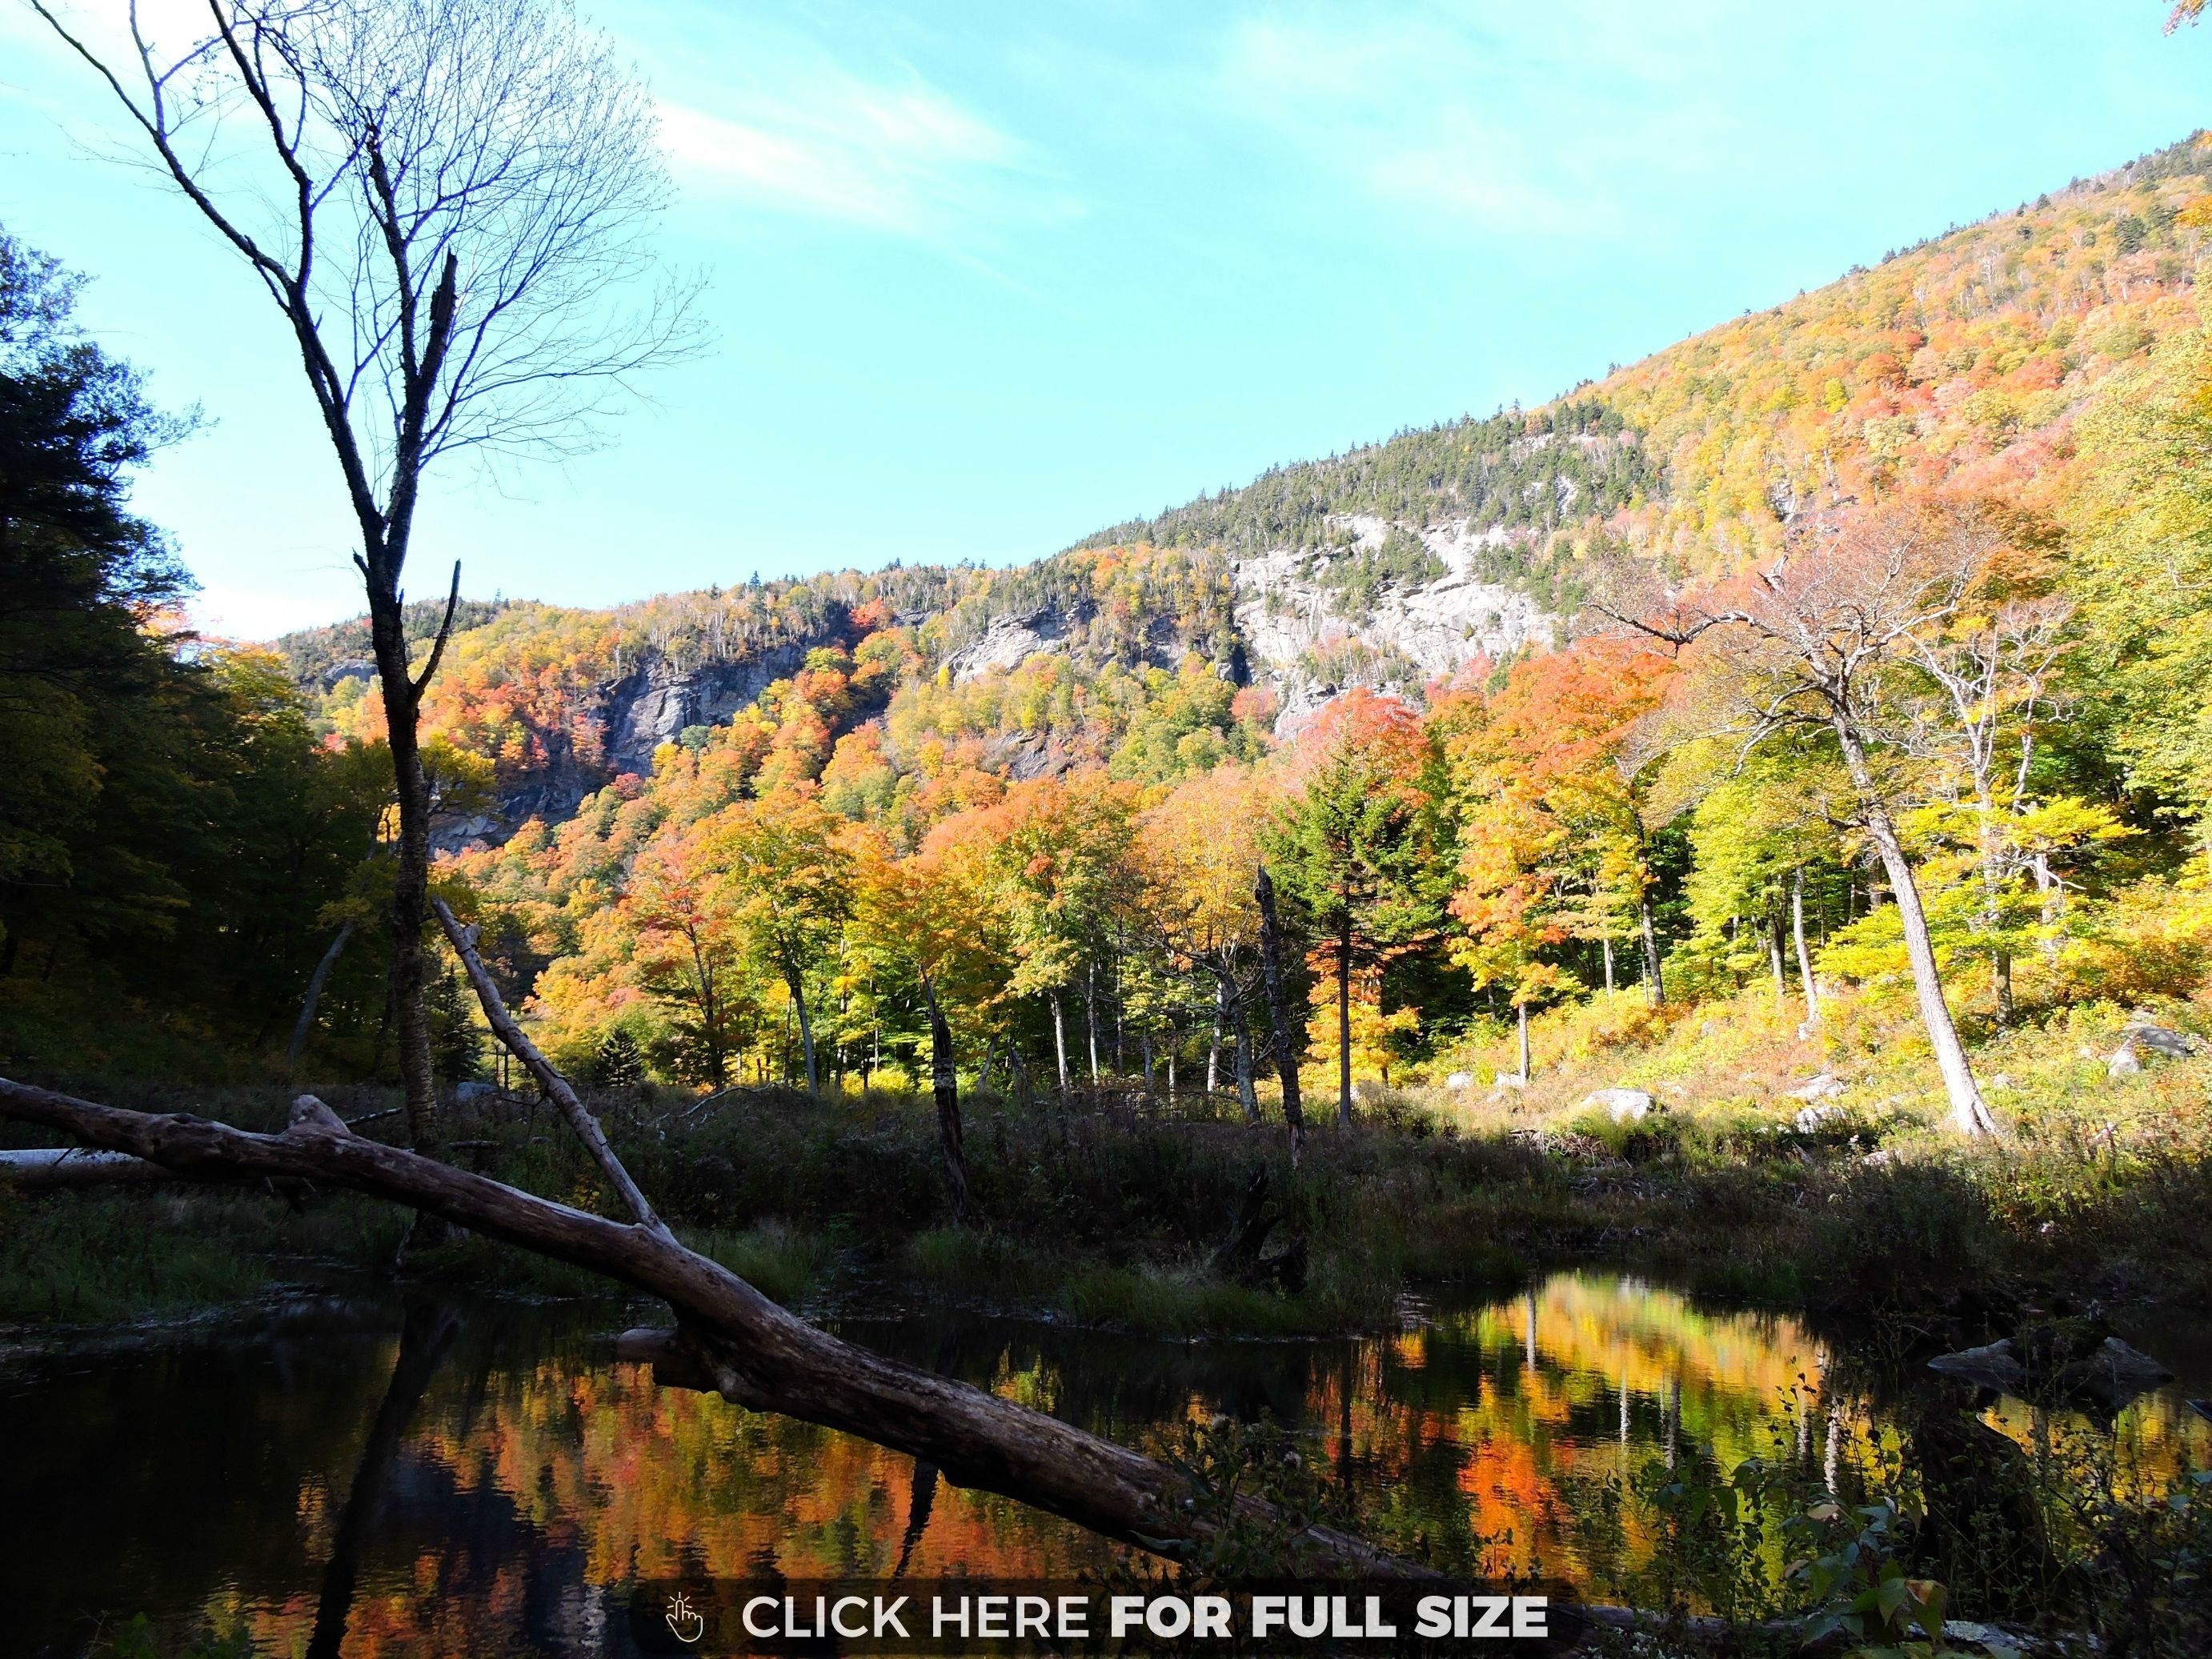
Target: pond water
column 494, row 1482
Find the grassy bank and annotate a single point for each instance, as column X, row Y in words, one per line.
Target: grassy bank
column 1110, row 1210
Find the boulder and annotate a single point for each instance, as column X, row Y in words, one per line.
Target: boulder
column 1621, row 1105
column 1993, row 1366
column 2144, row 1041
column 1826, row 1087
column 2109, row 1377
column 1459, row 1080
column 2113, row 1374
column 1811, row 1120
column 2148, row 1039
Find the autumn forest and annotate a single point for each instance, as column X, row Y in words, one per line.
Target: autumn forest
column 1744, row 822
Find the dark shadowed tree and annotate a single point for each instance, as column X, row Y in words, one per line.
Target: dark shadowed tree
column 448, row 202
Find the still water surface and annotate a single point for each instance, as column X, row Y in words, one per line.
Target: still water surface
column 494, row 1482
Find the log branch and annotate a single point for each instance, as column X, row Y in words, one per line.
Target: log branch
column 549, row 1080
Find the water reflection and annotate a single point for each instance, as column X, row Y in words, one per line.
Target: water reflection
column 490, row 1482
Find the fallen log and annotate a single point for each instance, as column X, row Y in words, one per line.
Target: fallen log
column 754, row 1352
column 44, row 1167
column 49, row 1169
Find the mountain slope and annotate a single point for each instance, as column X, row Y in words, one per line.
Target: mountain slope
column 1963, row 361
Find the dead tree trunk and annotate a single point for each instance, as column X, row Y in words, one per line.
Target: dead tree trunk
column 315, row 983
column 555, row 1086
column 1279, row 1010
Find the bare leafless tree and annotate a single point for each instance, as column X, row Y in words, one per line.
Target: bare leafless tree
column 449, row 201
column 1821, row 639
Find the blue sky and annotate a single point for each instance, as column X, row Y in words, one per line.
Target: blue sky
column 985, row 277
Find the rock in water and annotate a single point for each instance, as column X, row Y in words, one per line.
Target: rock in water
column 2113, row 1376
column 1621, row 1105
column 1990, row 1367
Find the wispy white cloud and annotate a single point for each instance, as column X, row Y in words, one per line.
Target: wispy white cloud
column 1542, row 131
column 894, row 155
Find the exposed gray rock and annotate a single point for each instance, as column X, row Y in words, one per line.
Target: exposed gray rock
column 656, row 700
column 1459, row 1080
column 2113, row 1376
column 2109, row 1377
column 1990, row 1367
column 1811, row 1120
column 1621, row 1105
column 1823, row 1087
column 1007, row 642
column 2144, row 1039
column 1290, row 620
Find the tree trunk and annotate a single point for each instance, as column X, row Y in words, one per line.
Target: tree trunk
column 1970, row 1114
column 1806, row 982
column 1774, row 964
column 1606, row 941
column 315, row 983
column 805, row 1030
column 944, row 1083
column 1279, row 1010
column 411, row 876
column 1344, row 1024
column 1213, row 1044
column 1655, row 983
column 1060, row 1041
column 1247, row 1096
column 1522, row 1009
column 504, row 1026
column 1091, row 1015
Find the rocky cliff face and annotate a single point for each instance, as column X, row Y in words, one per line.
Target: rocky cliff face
column 655, row 701
column 1305, row 634
column 650, row 705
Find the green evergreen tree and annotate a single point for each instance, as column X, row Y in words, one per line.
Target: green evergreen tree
column 619, row 1063
column 456, row 1044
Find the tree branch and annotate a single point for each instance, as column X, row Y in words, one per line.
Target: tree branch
column 548, row 1079
column 420, row 682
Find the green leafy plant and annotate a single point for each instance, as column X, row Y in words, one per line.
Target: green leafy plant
column 1859, row 1587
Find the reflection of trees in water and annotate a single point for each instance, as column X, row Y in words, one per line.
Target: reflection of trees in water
column 535, row 1478
column 426, row 1333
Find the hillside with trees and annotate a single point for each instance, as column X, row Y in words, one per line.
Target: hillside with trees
column 1752, row 814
